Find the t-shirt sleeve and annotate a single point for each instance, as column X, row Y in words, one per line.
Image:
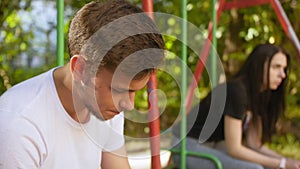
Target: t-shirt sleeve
column 236, row 102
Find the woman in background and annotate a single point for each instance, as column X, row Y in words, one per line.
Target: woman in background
column 255, row 99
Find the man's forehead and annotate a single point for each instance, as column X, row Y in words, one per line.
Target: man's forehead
column 121, row 79
column 131, row 85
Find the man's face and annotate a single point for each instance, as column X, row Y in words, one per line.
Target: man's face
column 114, row 93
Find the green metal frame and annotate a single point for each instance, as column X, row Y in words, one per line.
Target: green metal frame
column 60, row 33
column 214, row 45
column 210, row 157
column 182, row 151
column 183, row 124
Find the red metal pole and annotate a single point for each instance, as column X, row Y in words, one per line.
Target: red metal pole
column 154, row 114
column 148, row 7
column 154, row 123
column 284, row 21
column 244, row 4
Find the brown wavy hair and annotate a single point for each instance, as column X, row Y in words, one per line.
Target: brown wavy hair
column 115, row 29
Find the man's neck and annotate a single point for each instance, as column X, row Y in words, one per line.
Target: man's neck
column 63, row 83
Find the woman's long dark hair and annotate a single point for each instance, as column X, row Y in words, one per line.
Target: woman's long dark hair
column 268, row 104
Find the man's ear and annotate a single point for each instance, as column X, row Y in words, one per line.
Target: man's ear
column 77, row 64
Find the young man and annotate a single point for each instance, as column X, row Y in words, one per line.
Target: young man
column 72, row 116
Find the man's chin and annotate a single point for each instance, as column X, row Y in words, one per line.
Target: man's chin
column 108, row 117
column 99, row 116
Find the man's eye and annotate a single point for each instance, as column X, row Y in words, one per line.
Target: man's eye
column 116, row 90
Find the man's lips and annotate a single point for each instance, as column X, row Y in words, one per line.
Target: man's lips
column 114, row 112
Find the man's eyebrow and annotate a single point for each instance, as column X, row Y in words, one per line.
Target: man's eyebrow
column 127, row 89
column 130, row 90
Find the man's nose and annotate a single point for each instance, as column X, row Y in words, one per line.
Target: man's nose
column 128, row 102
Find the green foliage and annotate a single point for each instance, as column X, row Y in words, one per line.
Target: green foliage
column 288, row 145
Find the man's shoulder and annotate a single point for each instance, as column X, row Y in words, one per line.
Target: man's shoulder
column 24, row 97
column 25, row 91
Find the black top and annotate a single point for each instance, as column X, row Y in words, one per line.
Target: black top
column 232, row 102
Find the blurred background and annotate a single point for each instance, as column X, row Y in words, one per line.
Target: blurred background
column 28, row 47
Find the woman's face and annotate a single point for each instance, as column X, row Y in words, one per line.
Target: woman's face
column 277, row 70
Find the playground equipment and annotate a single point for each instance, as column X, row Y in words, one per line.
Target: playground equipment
column 221, row 6
column 153, row 115
column 60, row 33
column 153, row 120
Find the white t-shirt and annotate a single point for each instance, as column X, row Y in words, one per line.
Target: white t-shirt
column 37, row 132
